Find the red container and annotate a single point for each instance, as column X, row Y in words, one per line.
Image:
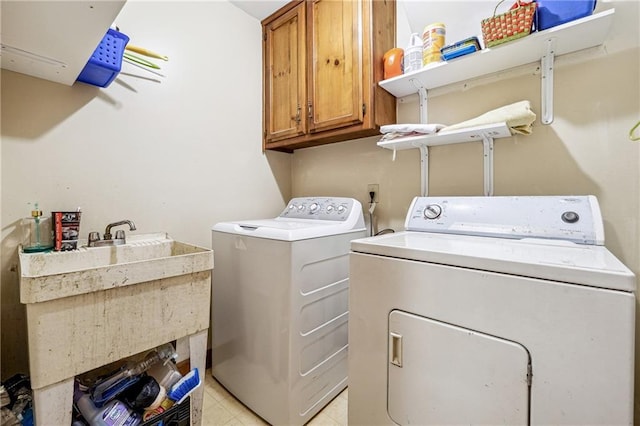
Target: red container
column 66, row 230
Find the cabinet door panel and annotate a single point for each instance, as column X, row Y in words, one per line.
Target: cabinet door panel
column 336, row 70
column 285, row 95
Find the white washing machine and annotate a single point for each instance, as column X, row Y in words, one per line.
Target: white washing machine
column 280, row 307
column 491, row 310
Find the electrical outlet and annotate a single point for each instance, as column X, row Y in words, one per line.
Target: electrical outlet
column 375, row 188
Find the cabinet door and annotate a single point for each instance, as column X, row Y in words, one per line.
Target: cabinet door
column 285, row 104
column 335, row 43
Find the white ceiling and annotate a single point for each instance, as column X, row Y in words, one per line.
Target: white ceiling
column 259, row 9
column 462, row 18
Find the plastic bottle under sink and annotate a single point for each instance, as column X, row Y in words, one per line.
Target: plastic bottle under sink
column 115, row 412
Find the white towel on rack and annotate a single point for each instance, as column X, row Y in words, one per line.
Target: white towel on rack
column 424, row 129
column 518, row 117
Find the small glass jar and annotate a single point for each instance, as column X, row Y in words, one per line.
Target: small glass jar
column 37, row 233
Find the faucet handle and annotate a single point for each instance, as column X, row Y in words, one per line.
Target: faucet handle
column 120, row 234
column 93, row 237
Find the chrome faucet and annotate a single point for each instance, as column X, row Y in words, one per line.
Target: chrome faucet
column 94, row 237
column 107, row 231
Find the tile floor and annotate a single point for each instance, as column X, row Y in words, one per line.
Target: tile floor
column 222, row 409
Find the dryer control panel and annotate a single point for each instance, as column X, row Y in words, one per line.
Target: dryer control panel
column 322, row 208
column 570, row 218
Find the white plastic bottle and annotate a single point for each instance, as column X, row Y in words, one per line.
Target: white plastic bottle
column 413, row 54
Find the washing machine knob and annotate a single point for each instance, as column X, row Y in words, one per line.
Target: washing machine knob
column 341, row 209
column 314, row 207
column 432, row 211
column 301, row 207
column 330, row 208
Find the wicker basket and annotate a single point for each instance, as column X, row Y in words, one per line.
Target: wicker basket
column 508, row 26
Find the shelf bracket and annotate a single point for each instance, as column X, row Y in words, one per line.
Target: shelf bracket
column 487, row 148
column 546, row 81
column 422, row 98
column 424, row 170
column 424, row 150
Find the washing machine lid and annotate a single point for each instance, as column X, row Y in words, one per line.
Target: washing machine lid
column 555, row 260
column 303, row 218
column 289, row 230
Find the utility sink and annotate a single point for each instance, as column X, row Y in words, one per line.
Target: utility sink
column 92, row 306
column 146, row 257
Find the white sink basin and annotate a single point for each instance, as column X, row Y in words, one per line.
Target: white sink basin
column 145, row 257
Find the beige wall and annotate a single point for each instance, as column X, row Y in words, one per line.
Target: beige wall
column 586, row 149
column 177, row 155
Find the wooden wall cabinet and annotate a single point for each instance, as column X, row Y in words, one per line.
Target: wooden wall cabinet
column 322, row 61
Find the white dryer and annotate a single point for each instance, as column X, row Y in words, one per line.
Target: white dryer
column 491, row 310
column 280, row 307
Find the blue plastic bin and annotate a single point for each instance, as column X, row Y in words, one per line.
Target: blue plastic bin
column 106, row 61
column 555, row 12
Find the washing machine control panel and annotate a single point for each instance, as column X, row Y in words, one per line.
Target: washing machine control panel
column 321, row 208
column 571, row 218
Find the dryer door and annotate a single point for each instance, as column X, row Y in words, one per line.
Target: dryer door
column 443, row 374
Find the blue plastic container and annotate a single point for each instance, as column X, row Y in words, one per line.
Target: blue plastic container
column 461, row 48
column 106, row 61
column 551, row 13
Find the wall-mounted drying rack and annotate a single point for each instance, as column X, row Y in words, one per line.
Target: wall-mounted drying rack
column 485, row 134
column 541, row 46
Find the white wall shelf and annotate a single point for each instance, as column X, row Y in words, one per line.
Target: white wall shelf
column 580, row 34
column 485, row 134
column 472, row 134
column 543, row 46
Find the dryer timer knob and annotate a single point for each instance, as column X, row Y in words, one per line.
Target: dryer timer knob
column 432, row 211
column 570, row 217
